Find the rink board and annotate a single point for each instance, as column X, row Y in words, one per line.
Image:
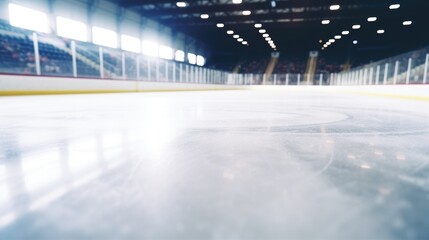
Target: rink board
column 11, row 85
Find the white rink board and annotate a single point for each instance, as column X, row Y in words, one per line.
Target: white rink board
column 12, row 83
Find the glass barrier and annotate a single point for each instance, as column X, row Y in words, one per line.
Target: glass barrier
column 407, row 68
column 87, row 60
column 16, row 53
column 26, row 52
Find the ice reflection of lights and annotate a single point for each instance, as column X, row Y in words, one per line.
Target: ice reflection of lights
column 365, row 166
column 378, row 153
column 41, row 169
column 83, row 154
column 4, row 192
column 400, row 157
column 157, row 126
column 7, row 219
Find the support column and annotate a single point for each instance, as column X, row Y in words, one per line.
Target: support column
column 74, row 63
column 386, row 70
column 100, row 54
column 410, row 61
column 36, row 53
column 425, row 74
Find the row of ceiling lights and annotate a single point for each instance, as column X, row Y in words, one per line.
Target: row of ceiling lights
column 266, row 36
column 231, row 32
column 357, row 26
column 206, row 16
column 221, row 25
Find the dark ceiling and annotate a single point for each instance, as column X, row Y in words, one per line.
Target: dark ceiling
column 296, row 26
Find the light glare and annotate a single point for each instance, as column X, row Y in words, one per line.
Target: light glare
column 28, row 18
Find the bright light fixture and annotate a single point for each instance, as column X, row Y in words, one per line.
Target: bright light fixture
column 104, row 37
column 204, row 16
column 192, row 58
column 372, row 19
column 28, row 18
column 220, row 25
column 331, row 40
column 334, row 7
column 240, row 40
column 244, row 43
column 355, row 42
column 236, row 36
column 258, row 25
column 200, row 60
column 150, row 48
column 181, row 4
column 407, row 23
column 268, row 39
column 328, row 43
column 265, row 35
column 230, row 32
column 165, row 52
column 69, row 28
column 180, row 56
column 345, row 32
column 129, row 43
column 237, row 1
column 325, row 22
column 381, row 31
column 356, row 26
column 337, row 37
column 394, row 6
column 246, row 12
column 262, row 31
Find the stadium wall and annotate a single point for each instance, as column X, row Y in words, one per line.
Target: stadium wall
column 12, row 85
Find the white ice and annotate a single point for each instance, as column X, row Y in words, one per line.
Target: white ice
column 214, row 165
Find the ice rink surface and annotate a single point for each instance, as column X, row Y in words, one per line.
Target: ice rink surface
column 214, row 165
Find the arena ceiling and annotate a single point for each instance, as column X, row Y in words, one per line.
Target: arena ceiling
column 292, row 25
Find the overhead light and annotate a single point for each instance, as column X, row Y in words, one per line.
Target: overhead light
column 325, row 45
column 271, row 41
column 337, row 37
column 244, row 43
column 345, row 32
column 355, row 42
column 273, row 3
column 237, row 1
column 265, row 35
column 394, row 6
column 220, row 25
column 240, row 39
column 328, row 43
column 331, row 40
column 230, row 32
column 204, row 16
column 334, row 7
column 320, row 41
column 381, row 31
column 247, row 12
column 236, row 36
column 356, row 26
column 324, row 22
column 181, row 4
column 262, row 31
column 407, row 23
column 372, row 19
column 268, row 39
column 258, row 25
